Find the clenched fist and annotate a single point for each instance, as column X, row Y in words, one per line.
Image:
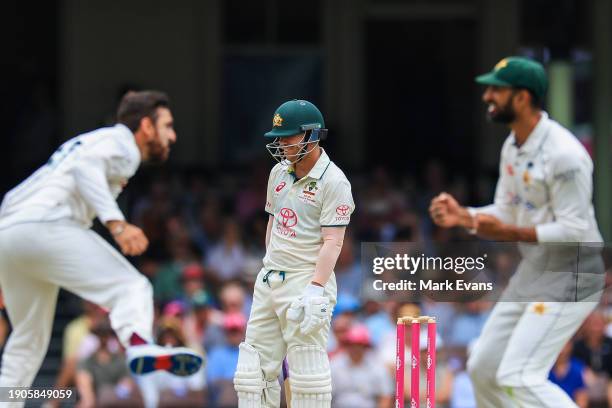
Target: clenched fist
column 446, row 212
column 131, row 240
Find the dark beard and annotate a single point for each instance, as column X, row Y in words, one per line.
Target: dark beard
column 157, row 154
column 505, row 115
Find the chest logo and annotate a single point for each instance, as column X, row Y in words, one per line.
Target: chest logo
column 526, row 177
column 286, row 220
column 310, row 189
column 312, row 186
column 288, row 217
column 280, row 186
column 540, row 308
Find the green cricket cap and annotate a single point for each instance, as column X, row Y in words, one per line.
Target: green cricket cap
column 517, row 72
column 295, row 117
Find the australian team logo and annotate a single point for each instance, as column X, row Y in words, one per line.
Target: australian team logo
column 309, row 192
column 286, row 220
column 277, row 121
column 311, row 188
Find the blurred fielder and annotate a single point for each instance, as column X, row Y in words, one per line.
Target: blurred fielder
column 46, row 243
column 543, row 196
column 309, row 203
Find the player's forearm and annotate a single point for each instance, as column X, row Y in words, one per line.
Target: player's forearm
column 510, row 233
column 269, row 230
column 333, row 238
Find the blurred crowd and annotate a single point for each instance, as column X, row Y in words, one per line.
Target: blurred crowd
column 207, row 237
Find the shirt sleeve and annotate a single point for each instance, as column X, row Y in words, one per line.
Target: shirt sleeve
column 92, row 173
column 269, row 208
column 501, row 208
column 570, row 190
column 91, row 181
column 338, row 204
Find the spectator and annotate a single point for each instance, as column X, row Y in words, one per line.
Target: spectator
column 594, row 349
column 222, row 362
column 347, row 304
column 358, row 378
column 462, row 395
column 340, row 327
column 376, row 319
column 349, row 276
column 192, row 280
column 201, row 333
column 468, row 323
column 233, row 299
column 250, row 196
column 226, row 259
column 75, row 335
column 151, row 212
column 176, row 309
column 345, row 312
column 568, row 373
column 167, row 279
column 103, row 379
column 161, row 388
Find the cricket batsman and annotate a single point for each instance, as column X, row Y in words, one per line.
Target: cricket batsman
column 46, row 242
column 543, row 198
column 309, row 203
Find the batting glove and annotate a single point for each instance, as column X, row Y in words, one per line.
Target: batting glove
column 311, row 310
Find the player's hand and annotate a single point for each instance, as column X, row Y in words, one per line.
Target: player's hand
column 445, row 211
column 131, row 240
column 311, row 310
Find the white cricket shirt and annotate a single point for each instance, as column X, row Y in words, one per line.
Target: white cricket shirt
column 301, row 208
column 81, row 180
column 546, row 183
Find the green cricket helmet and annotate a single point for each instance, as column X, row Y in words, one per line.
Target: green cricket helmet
column 293, row 118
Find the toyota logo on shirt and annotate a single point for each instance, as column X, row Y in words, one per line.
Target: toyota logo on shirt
column 343, row 209
column 288, row 217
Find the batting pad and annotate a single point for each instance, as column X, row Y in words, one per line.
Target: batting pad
column 248, row 380
column 309, row 377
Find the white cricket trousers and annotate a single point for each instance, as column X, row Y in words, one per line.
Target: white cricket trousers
column 36, row 259
column 518, row 346
column 269, row 331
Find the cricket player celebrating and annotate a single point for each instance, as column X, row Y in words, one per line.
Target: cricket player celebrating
column 309, row 203
column 543, row 196
column 46, row 243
